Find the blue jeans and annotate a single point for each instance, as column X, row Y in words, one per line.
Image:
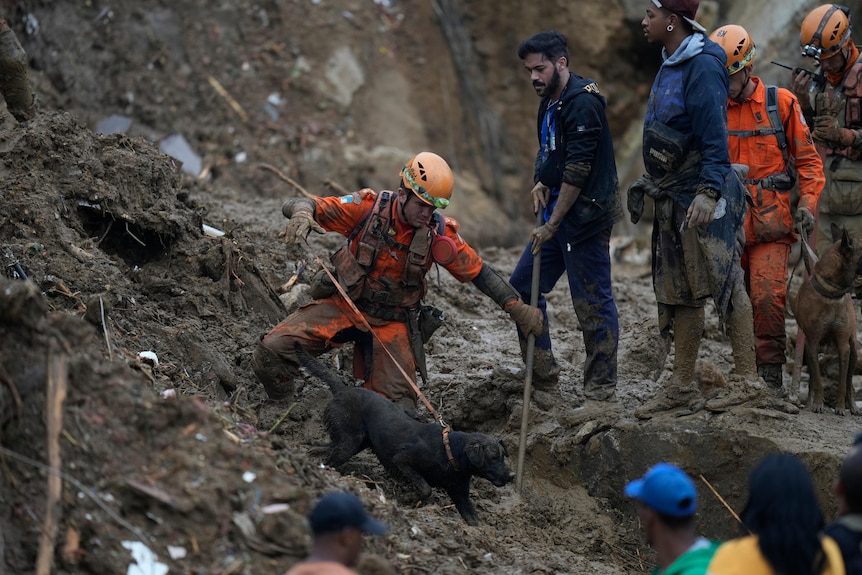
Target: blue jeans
column 588, row 267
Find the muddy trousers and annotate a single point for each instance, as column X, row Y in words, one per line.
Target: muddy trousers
column 587, row 265
column 765, row 267
column 329, row 323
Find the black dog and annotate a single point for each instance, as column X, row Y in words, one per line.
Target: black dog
column 357, row 418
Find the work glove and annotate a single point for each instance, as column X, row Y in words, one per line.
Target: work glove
column 635, row 198
column 542, row 234
column 804, row 219
column 702, row 209
column 827, row 130
column 528, row 318
column 301, row 222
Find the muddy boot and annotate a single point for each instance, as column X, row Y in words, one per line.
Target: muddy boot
column 748, row 392
column 274, row 372
column 681, row 391
column 546, row 370
column 772, row 374
column 740, row 327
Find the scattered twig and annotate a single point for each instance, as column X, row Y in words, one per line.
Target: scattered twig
column 287, row 179
column 136, row 238
column 110, row 225
column 723, row 502
column 289, row 283
column 282, row 418
column 105, row 328
column 56, row 396
column 228, row 98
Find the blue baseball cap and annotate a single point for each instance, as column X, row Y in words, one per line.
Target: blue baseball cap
column 665, row 488
column 337, row 511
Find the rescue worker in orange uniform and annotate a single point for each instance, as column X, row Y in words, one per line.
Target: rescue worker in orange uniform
column 834, row 109
column 393, row 240
column 767, row 133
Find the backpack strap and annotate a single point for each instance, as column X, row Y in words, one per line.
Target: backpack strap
column 775, row 121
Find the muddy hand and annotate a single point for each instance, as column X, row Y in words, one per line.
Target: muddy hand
column 799, row 84
column 540, row 194
column 540, row 235
column 701, row 211
column 299, row 226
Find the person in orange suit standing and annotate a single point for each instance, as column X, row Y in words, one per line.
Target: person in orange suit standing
column 769, row 138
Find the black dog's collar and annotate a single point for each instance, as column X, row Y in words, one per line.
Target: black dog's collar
column 448, row 447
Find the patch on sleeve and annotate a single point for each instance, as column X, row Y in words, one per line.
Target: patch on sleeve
column 351, row 199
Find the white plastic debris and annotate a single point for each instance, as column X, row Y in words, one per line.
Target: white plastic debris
column 241, row 157
column 178, row 148
column 275, row 508
column 149, row 357
column 146, row 562
column 211, row 232
column 169, row 394
column 249, row 477
column 177, row 552
column 115, row 124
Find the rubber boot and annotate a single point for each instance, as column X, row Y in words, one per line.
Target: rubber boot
column 546, row 370
column 681, row 390
column 274, row 372
column 771, row 374
column 740, row 327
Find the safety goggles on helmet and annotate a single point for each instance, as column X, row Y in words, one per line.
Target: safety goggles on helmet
column 406, row 178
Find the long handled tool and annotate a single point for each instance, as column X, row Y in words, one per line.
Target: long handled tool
column 528, row 380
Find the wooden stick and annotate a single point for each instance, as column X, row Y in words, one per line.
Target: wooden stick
column 56, row 396
column 285, row 178
column 228, row 98
column 282, row 418
column 723, row 502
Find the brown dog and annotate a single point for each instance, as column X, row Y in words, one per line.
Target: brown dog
column 825, row 314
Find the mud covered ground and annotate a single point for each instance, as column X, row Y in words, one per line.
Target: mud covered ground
column 190, row 458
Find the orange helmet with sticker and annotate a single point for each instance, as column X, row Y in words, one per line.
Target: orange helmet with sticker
column 737, row 45
column 429, row 177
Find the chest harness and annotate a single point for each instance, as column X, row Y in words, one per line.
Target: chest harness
column 781, row 181
column 374, row 291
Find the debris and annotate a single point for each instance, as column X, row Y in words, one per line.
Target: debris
column 149, row 357
column 249, row 477
column 178, row 148
column 228, row 98
column 115, row 124
column 211, row 232
column 275, row 508
column 146, row 562
column 169, row 394
column 177, row 552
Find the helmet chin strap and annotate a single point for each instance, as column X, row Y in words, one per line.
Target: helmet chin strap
column 741, row 96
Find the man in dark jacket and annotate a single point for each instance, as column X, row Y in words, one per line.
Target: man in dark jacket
column 576, row 186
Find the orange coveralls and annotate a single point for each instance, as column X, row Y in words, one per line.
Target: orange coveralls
column 330, row 322
column 769, row 224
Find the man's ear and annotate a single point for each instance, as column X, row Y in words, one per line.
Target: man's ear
column 563, row 63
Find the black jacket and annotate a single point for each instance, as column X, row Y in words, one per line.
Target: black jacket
column 582, row 127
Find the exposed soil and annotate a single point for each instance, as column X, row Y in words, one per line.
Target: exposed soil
column 189, row 454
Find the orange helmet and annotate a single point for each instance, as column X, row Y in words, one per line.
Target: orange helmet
column 430, row 178
column 824, row 31
column 737, row 45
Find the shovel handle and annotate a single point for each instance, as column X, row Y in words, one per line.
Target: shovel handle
column 531, row 348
